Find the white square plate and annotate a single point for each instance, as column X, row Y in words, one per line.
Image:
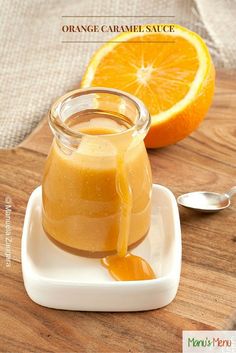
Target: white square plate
column 60, row 280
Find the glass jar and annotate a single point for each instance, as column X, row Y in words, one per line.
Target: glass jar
column 95, row 131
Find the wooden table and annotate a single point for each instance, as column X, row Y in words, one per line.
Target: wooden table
column 207, row 292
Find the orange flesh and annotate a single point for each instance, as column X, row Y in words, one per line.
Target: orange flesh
column 159, row 74
column 175, row 80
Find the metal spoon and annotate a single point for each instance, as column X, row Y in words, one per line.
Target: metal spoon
column 204, row 201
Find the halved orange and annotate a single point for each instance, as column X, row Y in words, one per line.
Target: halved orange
column 172, row 73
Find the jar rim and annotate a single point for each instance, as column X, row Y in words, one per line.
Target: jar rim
column 141, row 124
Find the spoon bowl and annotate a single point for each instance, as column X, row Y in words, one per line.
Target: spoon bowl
column 204, row 201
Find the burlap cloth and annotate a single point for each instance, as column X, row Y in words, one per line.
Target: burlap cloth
column 36, row 67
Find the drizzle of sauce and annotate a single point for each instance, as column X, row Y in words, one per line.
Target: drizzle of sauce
column 128, row 268
column 123, row 266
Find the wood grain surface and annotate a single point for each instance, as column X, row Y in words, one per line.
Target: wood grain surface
column 206, row 160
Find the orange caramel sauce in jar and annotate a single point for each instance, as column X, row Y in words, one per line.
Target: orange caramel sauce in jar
column 97, row 179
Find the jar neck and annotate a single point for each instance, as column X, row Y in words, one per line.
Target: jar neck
column 71, row 116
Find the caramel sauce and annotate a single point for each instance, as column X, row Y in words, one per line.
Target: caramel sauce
column 81, row 205
column 128, row 268
column 123, row 266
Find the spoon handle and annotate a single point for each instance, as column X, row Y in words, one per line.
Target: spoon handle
column 231, row 192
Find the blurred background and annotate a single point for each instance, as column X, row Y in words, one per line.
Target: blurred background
column 37, row 67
